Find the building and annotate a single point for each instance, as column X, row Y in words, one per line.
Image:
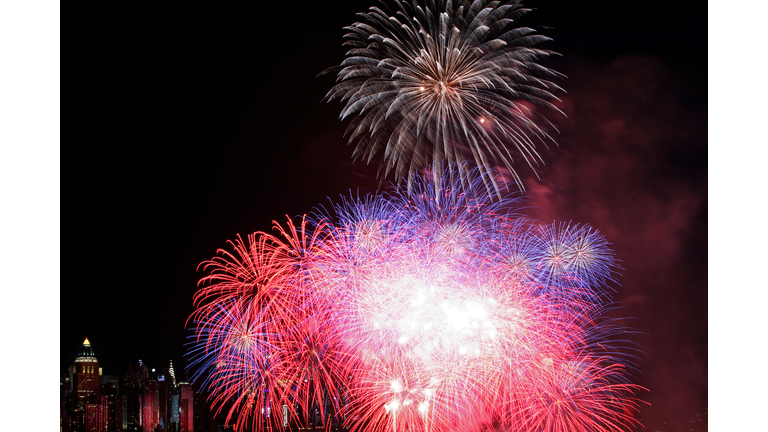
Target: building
column 162, row 398
column 131, row 397
column 83, row 407
column 141, row 400
column 150, row 405
column 112, row 405
column 186, row 407
column 86, row 374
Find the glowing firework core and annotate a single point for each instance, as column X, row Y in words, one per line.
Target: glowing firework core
column 433, row 318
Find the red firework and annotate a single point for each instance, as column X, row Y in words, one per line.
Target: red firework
column 415, row 312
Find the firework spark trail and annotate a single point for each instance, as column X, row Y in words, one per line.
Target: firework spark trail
column 424, row 310
column 436, row 81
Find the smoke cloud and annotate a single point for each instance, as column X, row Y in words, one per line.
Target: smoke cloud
column 632, row 163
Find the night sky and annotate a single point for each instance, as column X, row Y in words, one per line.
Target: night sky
column 187, row 125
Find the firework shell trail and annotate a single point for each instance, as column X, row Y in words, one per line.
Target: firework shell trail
column 428, row 82
column 434, row 308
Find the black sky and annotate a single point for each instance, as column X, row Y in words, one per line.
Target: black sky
column 187, row 125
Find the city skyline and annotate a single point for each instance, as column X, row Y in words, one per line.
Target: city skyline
column 141, row 398
column 192, row 126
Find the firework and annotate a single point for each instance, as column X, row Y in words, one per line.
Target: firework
column 436, row 81
column 437, row 309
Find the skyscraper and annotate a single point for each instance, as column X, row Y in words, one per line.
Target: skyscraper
column 132, row 396
column 88, row 410
column 86, row 375
column 150, row 405
column 186, row 407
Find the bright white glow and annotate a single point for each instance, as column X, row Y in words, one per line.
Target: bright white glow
column 476, row 311
column 396, row 386
column 392, row 406
column 423, row 406
column 458, row 318
column 419, row 299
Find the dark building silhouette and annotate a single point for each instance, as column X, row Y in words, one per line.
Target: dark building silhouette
column 150, row 405
column 95, row 417
column 186, row 407
column 109, row 399
column 132, row 396
column 65, row 392
column 162, row 400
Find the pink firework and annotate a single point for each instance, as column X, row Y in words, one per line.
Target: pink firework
column 437, row 309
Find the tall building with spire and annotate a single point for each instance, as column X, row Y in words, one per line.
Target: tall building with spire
column 86, row 410
column 172, row 373
column 86, row 375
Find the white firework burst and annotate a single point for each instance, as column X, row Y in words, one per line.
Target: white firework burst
column 434, row 82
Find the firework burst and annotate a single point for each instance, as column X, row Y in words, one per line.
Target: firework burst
column 435, row 81
column 429, row 310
